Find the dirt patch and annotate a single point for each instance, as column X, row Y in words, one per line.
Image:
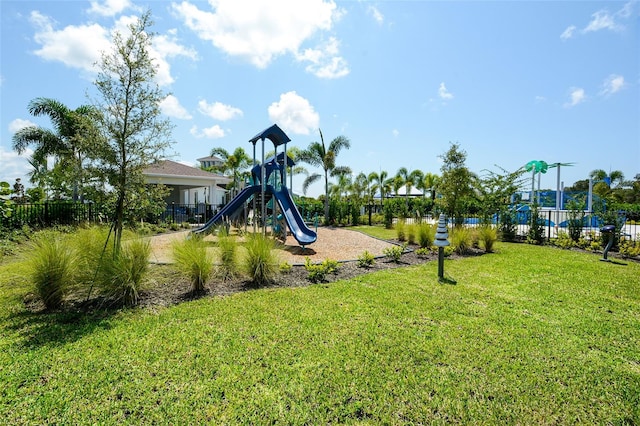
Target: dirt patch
column 333, row 243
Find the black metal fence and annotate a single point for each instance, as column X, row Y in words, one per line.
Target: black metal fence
column 191, row 213
column 42, row 215
column 552, row 222
column 70, row 213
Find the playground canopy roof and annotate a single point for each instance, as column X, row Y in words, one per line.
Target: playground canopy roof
column 274, row 134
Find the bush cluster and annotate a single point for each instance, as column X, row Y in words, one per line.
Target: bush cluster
column 318, row 272
column 394, row 252
column 366, row 260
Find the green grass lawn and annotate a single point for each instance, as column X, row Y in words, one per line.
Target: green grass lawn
column 528, row 335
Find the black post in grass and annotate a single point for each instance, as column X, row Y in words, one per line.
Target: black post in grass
column 441, row 242
column 607, row 230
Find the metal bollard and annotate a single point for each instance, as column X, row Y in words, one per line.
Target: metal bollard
column 607, row 229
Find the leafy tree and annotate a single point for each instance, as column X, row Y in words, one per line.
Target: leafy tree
column 234, row 164
column 319, row 155
column 71, row 140
column 18, row 191
column 456, row 183
column 495, row 190
column 131, row 118
column 5, row 203
column 379, row 183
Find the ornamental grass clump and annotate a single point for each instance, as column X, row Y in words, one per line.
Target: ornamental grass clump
column 487, row 236
column 192, row 258
column 461, row 240
column 426, row 235
column 122, row 276
column 400, row 230
column 412, row 230
column 261, row 262
column 228, row 252
column 54, row 266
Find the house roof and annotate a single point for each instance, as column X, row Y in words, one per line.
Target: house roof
column 210, row 158
column 168, row 168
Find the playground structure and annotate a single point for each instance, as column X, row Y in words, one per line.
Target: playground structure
column 266, row 191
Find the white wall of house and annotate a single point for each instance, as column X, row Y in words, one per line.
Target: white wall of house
column 209, row 195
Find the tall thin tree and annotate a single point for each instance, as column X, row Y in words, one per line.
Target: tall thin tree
column 136, row 133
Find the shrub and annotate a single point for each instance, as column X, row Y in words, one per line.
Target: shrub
column 228, row 253
column 400, row 230
column 426, row 235
column 285, row 267
column 366, row 259
column 261, row 262
column 536, row 227
column 564, row 240
column 122, row 275
column 54, row 264
column 318, row 272
column 487, row 236
column 508, row 225
column 192, row 258
column 461, row 240
column 629, row 248
column 394, row 252
column 423, row 251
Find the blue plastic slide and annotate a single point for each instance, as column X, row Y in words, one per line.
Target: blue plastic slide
column 296, row 224
column 298, row 228
column 230, row 208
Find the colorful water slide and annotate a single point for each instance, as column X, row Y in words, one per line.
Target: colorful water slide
column 298, row 228
column 229, row 209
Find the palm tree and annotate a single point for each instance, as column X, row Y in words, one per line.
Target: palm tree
column 409, row 180
column 428, row 182
column 71, row 141
column 317, row 154
column 380, row 184
column 615, row 177
column 234, row 164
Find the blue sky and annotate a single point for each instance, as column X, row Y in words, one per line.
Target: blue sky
column 508, row 81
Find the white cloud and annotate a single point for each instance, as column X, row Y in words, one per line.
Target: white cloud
column 219, row 111
column 294, row 113
column 376, row 14
column 18, row 124
column 395, row 133
column 213, row 132
column 539, row 99
column 110, row 7
column 325, row 62
column 577, row 96
column 568, row 33
column 165, row 47
column 81, row 46
column 171, row 107
column 603, row 20
column 612, row 84
column 14, row 165
column 259, row 31
column 444, row 93
column 75, row 46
